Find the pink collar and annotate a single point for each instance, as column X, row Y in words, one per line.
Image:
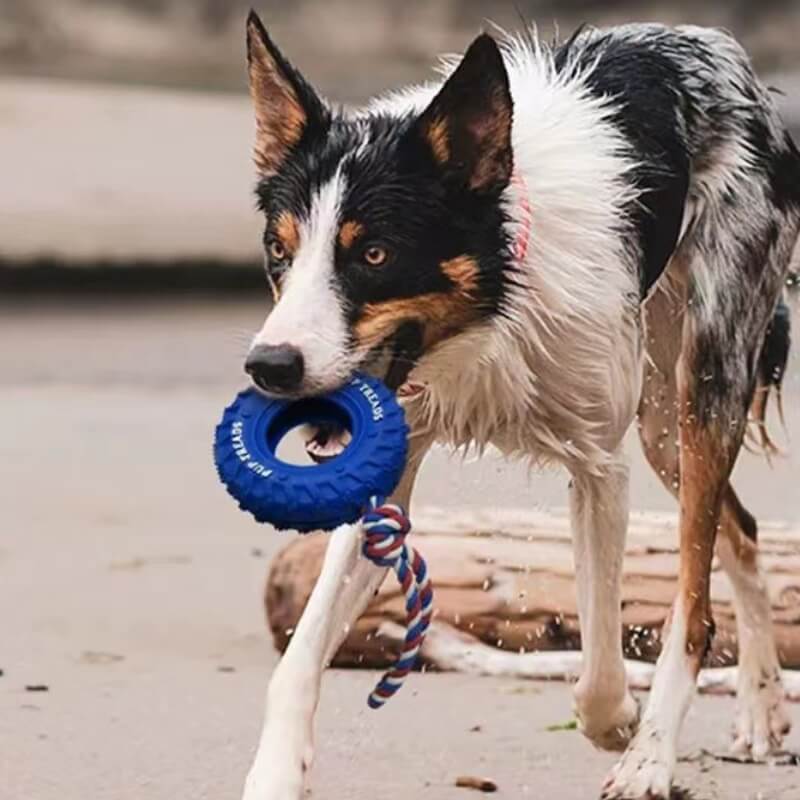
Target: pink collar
column 522, row 239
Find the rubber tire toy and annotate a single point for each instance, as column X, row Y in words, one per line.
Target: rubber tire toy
column 321, row 496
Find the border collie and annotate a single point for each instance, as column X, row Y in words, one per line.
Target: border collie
column 534, row 251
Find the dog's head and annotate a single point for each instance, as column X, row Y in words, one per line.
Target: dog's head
column 385, row 231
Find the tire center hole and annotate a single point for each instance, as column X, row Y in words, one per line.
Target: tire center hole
column 310, row 432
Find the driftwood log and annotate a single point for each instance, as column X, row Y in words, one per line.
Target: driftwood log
column 507, row 578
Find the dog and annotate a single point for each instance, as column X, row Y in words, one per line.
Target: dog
column 542, row 247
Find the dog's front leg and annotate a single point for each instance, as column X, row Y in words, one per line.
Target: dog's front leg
column 606, row 711
column 345, row 586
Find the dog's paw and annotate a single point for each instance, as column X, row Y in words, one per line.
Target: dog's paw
column 281, row 781
column 325, row 442
column 761, row 720
column 608, row 727
column 280, row 768
column 643, row 773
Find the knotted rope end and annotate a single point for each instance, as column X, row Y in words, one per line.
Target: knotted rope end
column 386, row 526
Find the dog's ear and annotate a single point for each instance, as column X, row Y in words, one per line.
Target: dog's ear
column 287, row 108
column 467, row 126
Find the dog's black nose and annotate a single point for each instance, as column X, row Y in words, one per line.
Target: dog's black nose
column 275, row 368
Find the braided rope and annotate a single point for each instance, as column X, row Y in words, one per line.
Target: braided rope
column 385, row 529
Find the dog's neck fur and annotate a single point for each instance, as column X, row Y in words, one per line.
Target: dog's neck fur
column 543, row 379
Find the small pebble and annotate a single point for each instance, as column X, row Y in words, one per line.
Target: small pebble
column 479, row 784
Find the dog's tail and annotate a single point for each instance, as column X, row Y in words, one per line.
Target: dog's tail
column 769, row 378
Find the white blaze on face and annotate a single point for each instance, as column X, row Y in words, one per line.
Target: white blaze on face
column 309, row 314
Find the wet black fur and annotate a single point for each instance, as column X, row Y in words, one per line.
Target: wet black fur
column 650, row 83
column 422, row 211
column 682, row 98
column 400, row 197
column 775, row 352
column 676, row 115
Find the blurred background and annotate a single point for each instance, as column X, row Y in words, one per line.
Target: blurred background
column 125, row 135
column 352, row 48
column 130, row 284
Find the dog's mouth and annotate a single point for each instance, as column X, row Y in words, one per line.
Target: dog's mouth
column 326, row 442
column 392, row 361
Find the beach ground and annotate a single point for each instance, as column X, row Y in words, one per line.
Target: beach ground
column 130, row 587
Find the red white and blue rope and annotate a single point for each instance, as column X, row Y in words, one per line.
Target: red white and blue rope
column 385, row 528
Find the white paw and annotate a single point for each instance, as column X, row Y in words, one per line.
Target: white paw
column 761, row 719
column 279, row 769
column 608, row 728
column 645, row 770
column 276, row 781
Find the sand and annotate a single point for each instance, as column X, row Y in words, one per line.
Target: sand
column 131, row 586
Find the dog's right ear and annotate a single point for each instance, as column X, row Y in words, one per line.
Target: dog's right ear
column 287, row 108
column 467, row 126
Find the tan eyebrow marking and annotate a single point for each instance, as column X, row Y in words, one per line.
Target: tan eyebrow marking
column 287, row 229
column 349, row 232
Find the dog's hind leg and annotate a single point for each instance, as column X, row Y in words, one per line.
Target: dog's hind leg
column 346, row 584
column 733, row 282
column 607, row 712
column 708, row 447
column 761, row 719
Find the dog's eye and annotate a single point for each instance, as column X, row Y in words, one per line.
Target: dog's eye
column 277, row 250
column 375, row 255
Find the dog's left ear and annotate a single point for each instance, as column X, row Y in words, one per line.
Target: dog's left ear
column 467, row 126
column 287, row 108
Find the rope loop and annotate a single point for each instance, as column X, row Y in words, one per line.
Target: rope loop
column 385, row 528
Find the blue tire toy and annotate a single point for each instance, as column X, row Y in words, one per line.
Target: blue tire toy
column 313, row 497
